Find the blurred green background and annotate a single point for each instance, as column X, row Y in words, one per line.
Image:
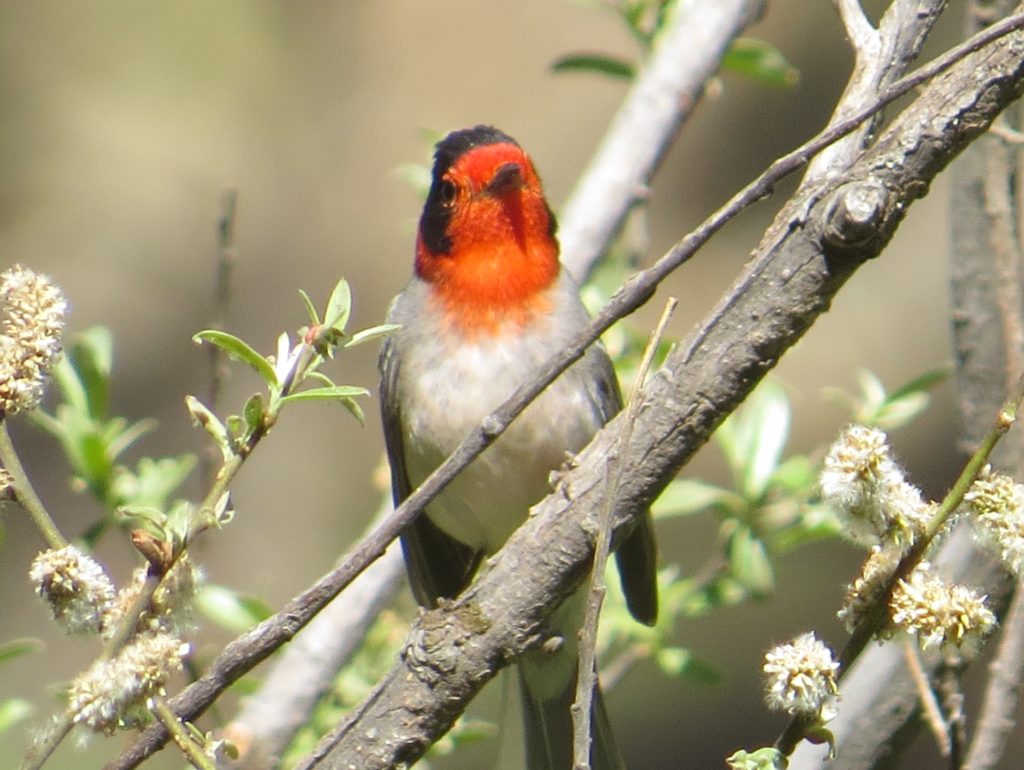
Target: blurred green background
column 122, row 123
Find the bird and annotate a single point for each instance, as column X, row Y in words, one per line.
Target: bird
column 488, row 303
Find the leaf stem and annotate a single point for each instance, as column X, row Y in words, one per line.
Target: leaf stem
column 193, row 752
column 39, row 753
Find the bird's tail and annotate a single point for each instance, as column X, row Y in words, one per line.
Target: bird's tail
column 546, row 689
column 548, row 730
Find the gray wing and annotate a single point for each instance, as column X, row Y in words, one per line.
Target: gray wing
column 637, row 555
column 438, row 565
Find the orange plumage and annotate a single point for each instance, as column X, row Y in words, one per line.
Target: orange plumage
column 502, row 251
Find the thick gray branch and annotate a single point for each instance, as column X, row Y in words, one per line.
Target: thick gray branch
column 814, row 246
column 881, row 57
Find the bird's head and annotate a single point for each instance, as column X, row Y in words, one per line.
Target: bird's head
column 486, row 241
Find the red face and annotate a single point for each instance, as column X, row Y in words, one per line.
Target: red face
column 486, row 239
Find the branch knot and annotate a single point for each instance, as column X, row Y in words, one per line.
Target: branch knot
column 855, row 214
column 436, row 644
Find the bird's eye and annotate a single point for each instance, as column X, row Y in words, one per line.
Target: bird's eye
column 448, row 192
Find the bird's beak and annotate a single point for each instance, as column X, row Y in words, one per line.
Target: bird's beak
column 509, row 176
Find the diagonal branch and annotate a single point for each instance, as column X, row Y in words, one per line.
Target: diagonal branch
column 881, row 56
column 815, row 244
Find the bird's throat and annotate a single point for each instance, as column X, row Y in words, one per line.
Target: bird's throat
column 489, row 288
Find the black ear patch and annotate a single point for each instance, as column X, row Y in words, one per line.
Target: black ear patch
column 437, row 209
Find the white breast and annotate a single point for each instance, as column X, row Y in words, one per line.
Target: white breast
column 448, row 385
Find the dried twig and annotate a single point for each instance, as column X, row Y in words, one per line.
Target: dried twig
column 586, row 673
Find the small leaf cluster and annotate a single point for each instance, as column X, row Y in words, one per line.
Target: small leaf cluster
column 757, row 60
column 286, row 372
column 94, row 442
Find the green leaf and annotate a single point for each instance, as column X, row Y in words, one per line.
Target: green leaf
column 209, row 422
column 83, row 375
column 599, row 63
column 923, row 382
column 874, row 406
column 683, row 497
column 15, row 648
column 314, row 318
column 900, row 411
column 681, row 662
column 872, row 394
column 909, row 400
column 153, row 481
column 12, row 711
column 342, row 394
column 222, row 511
column 796, row 475
column 760, row 61
column 339, row 306
column 146, row 517
column 769, row 416
column 749, row 562
column 240, row 351
column 70, row 386
column 96, row 464
column 768, row 758
column 373, row 333
column 752, row 438
column 354, row 409
column 179, row 522
column 254, row 412
column 336, row 393
column 232, row 610
column 122, row 436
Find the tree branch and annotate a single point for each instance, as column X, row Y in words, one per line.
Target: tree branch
column 805, row 257
column 687, row 52
column 1002, row 693
column 880, row 57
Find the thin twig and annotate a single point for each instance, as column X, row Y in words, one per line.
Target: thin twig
column 194, row 753
column 950, row 686
column 586, row 673
column 226, row 259
column 926, row 697
column 880, row 57
column 1002, row 692
column 25, row 493
column 41, row 750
